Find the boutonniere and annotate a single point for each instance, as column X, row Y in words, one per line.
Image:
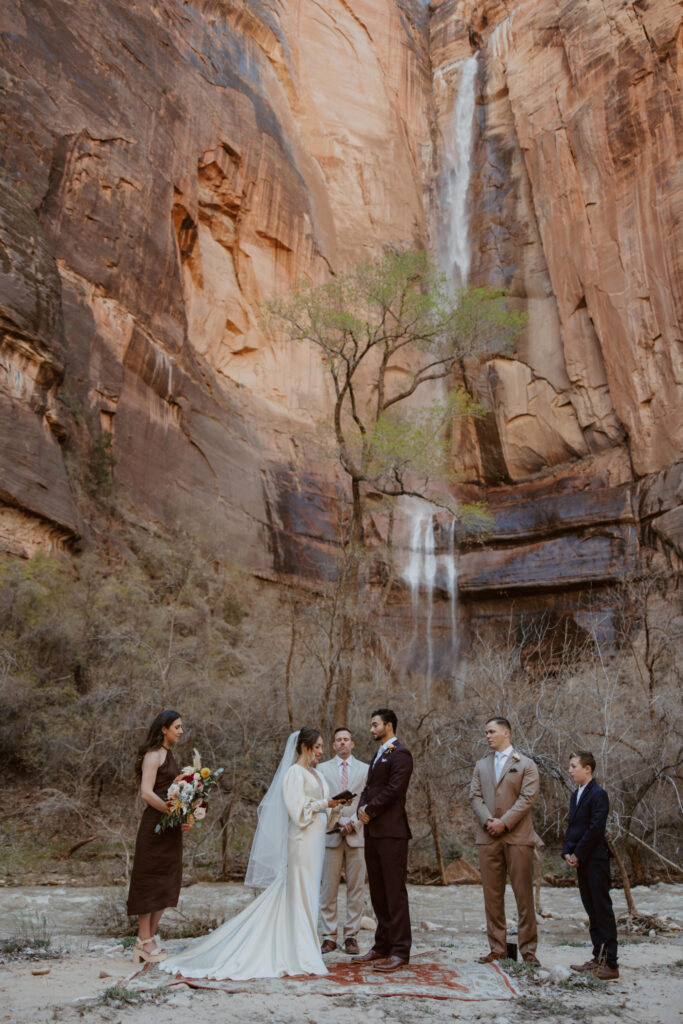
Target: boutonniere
column 515, row 756
column 388, row 751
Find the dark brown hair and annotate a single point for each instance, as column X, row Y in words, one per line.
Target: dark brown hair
column 343, row 728
column 308, row 737
column 155, row 737
column 585, row 759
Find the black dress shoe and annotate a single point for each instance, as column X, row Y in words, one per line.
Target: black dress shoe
column 392, row 963
column 369, row 957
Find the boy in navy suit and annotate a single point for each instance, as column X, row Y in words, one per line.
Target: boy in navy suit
column 585, row 848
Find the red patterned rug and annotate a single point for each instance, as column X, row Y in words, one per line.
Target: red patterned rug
column 432, row 975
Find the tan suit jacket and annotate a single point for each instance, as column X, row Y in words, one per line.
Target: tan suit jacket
column 510, row 799
column 357, row 775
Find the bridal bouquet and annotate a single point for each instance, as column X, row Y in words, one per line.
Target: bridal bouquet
column 188, row 794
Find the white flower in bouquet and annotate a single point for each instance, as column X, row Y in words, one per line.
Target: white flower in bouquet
column 192, row 785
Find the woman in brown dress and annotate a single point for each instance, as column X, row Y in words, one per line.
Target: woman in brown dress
column 158, row 862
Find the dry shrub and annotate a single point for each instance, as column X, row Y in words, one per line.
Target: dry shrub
column 109, row 917
column 91, row 648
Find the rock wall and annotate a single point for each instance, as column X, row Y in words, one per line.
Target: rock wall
column 575, row 207
column 178, row 163
column 166, row 166
column 577, row 195
column 36, row 504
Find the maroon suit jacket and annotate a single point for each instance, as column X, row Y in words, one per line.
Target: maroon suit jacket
column 384, row 796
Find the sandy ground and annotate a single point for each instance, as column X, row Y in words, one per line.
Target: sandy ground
column 85, row 965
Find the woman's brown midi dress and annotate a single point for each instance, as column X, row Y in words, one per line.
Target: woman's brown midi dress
column 158, row 861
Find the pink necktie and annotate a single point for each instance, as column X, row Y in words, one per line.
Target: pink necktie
column 345, row 775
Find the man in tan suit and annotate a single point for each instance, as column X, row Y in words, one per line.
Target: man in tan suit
column 504, row 788
column 343, row 849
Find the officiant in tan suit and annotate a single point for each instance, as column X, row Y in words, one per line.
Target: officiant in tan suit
column 343, row 849
column 503, row 791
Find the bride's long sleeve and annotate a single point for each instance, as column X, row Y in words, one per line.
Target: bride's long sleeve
column 300, row 806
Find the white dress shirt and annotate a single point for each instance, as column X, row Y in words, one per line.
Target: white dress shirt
column 579, row 793
column 340, row 761
column 353, row 820
column 501, row 758
column 385, row 746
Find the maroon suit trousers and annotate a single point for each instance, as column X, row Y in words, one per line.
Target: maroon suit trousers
column 386, row 859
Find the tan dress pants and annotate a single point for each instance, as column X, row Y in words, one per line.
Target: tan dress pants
column 496, row 860
column 335, row 856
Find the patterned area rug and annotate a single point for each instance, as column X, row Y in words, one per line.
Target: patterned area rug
column 431, row 975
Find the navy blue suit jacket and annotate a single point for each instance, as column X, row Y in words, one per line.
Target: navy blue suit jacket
column 384, row 796
column 585, row 835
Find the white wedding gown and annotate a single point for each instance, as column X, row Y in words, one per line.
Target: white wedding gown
column 278, row 933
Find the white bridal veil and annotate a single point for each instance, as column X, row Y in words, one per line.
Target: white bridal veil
column 268, row 857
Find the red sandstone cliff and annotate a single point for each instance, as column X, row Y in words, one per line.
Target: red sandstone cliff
column 575, row 200
column 168, row 165
column 578, row 194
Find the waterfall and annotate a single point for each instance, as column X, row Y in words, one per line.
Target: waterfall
column 420, row 573
column 458, row 137
column 429, row 575
column 452, row 585
column 412, row 573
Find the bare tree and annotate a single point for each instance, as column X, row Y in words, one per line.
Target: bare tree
column 385, row 332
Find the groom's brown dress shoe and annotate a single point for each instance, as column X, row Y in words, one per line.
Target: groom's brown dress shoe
column 328, row 946
column 490, row 957
column 392, row 963
column 369, row 957
column 590, row 965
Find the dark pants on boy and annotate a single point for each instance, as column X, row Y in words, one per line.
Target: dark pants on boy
column 594, row 885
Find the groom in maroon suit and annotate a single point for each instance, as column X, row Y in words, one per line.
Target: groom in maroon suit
column 382, row 810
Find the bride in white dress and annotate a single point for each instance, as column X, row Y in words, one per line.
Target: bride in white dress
column 277, row 933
